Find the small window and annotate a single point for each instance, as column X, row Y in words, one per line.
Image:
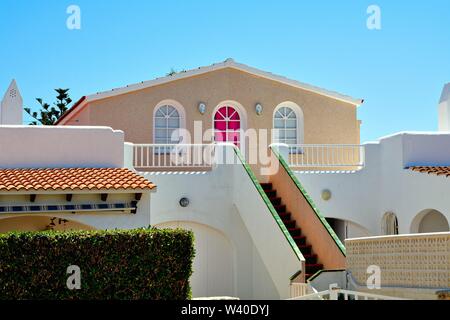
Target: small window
column 389, row 224
column 167, row 124
column 285, row 123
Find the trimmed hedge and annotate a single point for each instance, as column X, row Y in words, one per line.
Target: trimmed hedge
column 119, row 264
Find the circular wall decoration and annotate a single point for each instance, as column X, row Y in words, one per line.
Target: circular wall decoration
column 258, row 109
column 184, row 202
column 202, row 108
column 326, row 194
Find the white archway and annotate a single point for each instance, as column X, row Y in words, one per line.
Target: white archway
column 213, row 267
column 429, row 220
column 299, row 117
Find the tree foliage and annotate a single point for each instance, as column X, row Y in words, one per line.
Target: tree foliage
column 49, row 114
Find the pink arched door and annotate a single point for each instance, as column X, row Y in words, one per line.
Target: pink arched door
column 227, row 125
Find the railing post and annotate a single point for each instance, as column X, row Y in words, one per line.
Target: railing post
column 333, row 288
column 282, row 149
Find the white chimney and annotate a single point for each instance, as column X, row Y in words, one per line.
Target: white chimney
column 11, row 110
column 444, row 109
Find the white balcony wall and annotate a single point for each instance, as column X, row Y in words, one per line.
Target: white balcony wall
column 60, row 147
column 384, row 185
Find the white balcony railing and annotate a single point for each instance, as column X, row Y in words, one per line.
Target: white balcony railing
column 341, row 294
column 326, row 156
column 299, row 290
column 202, row 156
column 167, row 156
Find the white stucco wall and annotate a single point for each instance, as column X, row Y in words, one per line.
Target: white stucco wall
column 384, row 184
column 224, row 201
column 71, row 147
column 57, row 147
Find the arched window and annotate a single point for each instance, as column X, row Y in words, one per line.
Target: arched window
column 167, row 121
column 389, row 224
column 288, row 124
column 227, row 125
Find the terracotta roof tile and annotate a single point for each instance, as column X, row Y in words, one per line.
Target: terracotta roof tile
column 72, row 179
column 439, row 171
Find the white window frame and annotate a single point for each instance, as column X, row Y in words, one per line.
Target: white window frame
column 181, row 114
column 299, row 123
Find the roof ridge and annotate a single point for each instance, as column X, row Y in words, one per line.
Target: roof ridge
column 228, row 63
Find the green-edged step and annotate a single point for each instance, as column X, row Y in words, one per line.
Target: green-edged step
column 296, row 232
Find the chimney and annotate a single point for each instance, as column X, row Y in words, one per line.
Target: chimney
column 444, row 109
column 11, row 106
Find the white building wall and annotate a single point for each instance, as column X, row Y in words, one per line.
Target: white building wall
column 58, row 147
column 221, row 202
column 444, row 109
column 383, row 185
column 71, row 147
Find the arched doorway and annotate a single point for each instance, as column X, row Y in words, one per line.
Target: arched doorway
column 213, row 268
column 429, row 220
column 389, row 224
column 39, row 223
column 228, row 124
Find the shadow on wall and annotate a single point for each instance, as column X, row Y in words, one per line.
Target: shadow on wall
column 40, row 223
column 429, row 220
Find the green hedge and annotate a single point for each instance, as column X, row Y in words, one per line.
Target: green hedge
column 120, row 264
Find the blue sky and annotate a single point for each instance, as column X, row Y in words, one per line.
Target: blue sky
column 399, row 70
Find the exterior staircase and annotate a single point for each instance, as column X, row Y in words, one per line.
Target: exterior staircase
column 311, row 264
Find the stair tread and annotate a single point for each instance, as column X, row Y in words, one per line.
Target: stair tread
column 294, row 230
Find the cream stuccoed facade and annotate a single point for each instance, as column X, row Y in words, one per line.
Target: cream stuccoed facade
column 258, row 236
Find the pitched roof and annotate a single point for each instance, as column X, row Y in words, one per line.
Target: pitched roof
column 229, row 63
column 439, row 171
column 72, row 179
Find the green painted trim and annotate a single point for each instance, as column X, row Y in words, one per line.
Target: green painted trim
column 295, row 275
column 311, row 203
column 270, row 206
column 315, row 275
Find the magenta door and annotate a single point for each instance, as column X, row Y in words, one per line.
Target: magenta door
column 227, row 125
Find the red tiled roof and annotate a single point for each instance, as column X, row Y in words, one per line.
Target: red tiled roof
column 439, row 171
column 66, row 179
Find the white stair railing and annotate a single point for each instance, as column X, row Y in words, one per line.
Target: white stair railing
column 326, row 155
column 299, row 289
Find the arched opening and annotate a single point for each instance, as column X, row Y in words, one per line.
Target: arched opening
column 168, row 118
column 229, row 123
column 213, row 267
column 40, row 223
column 389, row 224
column 346, row 229
column 288, row 124
column 429, row 220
